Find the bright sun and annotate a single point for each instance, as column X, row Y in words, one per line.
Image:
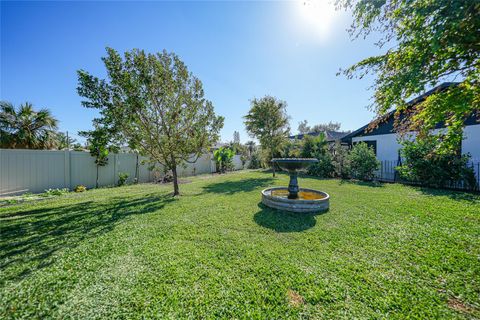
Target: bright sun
column 317, row 14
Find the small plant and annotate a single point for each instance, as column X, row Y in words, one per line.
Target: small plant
column 167, row 177
column 9, row 201
column 122, row 178
column 80, row 188
column 54, row 192
column 27, row 195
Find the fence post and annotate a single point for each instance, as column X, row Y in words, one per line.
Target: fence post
column 67, row 172
column 115, row 168
column 478, row 175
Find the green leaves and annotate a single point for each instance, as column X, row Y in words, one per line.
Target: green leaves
column 25, row 128
column 267, row 121
column 424, row 162
column 431, row 41
column 154, row 104
column 362, row 161
column 223, row 157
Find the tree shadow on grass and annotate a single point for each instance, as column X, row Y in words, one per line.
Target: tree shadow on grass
column 30, row 237
column 231, row 187
column 372, row 184
column 284, row 221
column 452, row 194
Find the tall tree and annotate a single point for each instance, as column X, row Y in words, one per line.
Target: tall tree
column 427, row 42
column 236, row 137
column 100, row 144
column 304, row 128
column 251, row 147
column 155, row 104
column 268, row 121
column 64, row 141
column 25, row 128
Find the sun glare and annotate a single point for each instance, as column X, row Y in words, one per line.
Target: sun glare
column 317, row 15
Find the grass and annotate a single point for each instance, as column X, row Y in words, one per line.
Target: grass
column 382, row 251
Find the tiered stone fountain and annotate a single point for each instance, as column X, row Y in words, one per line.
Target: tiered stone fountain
column 293, row 198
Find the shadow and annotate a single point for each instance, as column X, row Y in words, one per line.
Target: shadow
column 244, row 185
column 284, row 221
column 372, row 184
column 452, row 194
column 30, row 238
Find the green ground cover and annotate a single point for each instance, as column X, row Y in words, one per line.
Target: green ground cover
column 382, row 250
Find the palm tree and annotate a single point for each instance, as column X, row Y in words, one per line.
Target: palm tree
column 251, row 147
column 26, row 128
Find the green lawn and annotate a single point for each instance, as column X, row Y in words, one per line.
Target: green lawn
column 135, row 252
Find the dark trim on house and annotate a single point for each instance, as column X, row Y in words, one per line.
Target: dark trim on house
column 386, row 125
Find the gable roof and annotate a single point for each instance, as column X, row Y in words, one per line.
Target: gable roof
column 387, row 124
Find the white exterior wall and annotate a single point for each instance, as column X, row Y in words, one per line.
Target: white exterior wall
column 388, row 146
column 471, row 141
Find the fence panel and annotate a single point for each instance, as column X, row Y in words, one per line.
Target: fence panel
column 237, row 162
column 82, row 170
column 31, row 170
column 36, row 170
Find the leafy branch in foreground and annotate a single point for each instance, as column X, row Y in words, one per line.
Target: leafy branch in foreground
column 430, row 41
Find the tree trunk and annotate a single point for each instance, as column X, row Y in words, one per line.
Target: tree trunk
column 176, row 192
column 96, row 180
column 273, row 165
column 136, row 171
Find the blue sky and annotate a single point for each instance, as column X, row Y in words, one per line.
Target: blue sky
column 239, row 50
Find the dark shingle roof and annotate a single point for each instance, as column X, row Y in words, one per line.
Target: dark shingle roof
column 387, row 117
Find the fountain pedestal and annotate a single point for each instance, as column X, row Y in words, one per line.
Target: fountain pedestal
column 293, row 198
column 293, row 186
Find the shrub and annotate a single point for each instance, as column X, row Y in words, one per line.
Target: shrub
column 80, row 188
column 340, row 162
column 167, row 177
column 362, row 162
column 423, row 163
column 255, row 161
column 323, row 168
column 317, row 147
column 122, row 178
column 223, row 159
column 292, row 149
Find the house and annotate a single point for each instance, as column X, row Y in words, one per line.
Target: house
column 385, row 143
column 330, row 136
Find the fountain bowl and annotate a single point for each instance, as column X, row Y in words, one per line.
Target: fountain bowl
column 308, row 201
column 294, row 164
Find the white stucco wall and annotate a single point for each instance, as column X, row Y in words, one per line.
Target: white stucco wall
column 388, row 146
column 471, row 141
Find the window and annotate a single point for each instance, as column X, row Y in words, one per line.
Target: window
column 370, row 144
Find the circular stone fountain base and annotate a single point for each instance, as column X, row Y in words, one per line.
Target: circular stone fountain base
column 309, row 200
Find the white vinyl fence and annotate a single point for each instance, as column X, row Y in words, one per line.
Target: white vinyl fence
column 36, row 170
